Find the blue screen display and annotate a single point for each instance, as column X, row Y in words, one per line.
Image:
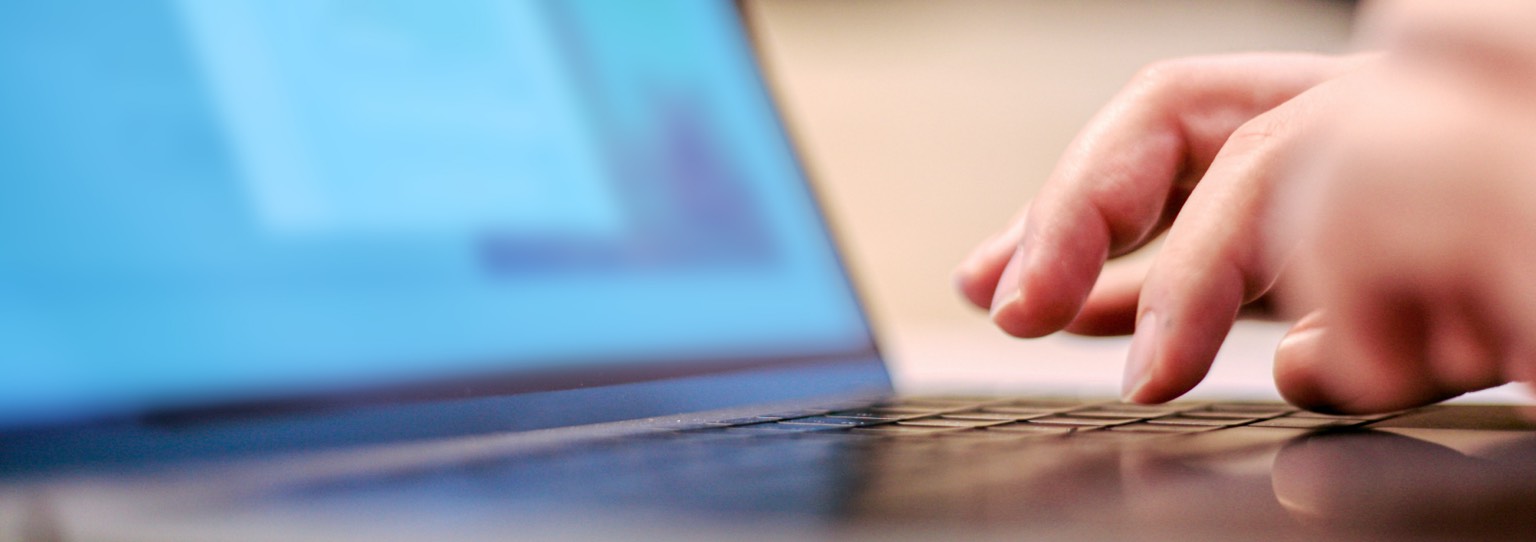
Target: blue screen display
column 219, row 200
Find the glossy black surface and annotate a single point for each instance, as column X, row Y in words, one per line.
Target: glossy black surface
column 1445, row 472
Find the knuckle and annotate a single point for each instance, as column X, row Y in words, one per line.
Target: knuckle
column 1158, row 77
column 1256, row 134
column 1103, row 210
column 1251, row 281
column 1162, row 72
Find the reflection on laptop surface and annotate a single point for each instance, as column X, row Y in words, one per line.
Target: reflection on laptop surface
column 488, row 260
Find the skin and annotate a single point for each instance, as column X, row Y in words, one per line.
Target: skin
column 1389, row 195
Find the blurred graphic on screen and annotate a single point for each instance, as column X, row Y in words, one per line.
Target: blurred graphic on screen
column 212, row 200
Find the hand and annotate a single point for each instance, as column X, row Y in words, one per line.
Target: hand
column 1197, row 144
column 1417, row 227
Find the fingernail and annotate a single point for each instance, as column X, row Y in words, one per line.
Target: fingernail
column 1007, row 292
column 1138, row 364
column 998, row 306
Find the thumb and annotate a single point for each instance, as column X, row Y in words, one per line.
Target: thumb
column 1326, row 366
column 1298, row 360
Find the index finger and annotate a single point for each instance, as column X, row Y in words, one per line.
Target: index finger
column 1124, row 176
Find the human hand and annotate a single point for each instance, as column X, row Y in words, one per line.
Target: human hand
column 1192, row 146
column 1416, row 226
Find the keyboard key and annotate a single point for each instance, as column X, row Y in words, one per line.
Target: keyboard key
column 1369, row 417
column 1308, row 423
column 1220, row 415
column 997, row 416
column 1259, row 408
column 1125, row 410
column 988, row 436
column 1199, row 422
column 1154, row 428
column 891, row 430
column 1061, row 419
column 1114, row 414
column 1028, row 412
column 1031, row 429
column 1113, row 438
column 943, row 422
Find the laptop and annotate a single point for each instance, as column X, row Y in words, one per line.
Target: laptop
column 379, row 270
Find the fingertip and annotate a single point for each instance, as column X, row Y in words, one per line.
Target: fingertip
column 1018, row 315
column 979, row 280
column 1141, row 360
column 1051, row 299
column 1190, row 330
column 1030, row 302
column 975, row 291
column 1166, row 382
column 978, row 275
column 1026, row 316
column 1168, row 358
column 1319, row 369
column 1297, row 361
column 1008, row 316
column 1306, row 376
column 1008, row 312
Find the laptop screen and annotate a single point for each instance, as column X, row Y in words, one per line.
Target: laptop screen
column 227, row 200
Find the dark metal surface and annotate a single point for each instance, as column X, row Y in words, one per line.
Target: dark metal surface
column 1423, row 475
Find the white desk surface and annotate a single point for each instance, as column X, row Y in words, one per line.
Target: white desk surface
column 975, row 357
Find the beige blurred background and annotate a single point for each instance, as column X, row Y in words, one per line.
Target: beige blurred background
column 927, row 124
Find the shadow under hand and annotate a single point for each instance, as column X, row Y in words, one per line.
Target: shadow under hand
column 1381, row 481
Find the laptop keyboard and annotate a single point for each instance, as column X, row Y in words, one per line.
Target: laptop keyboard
column 1023, row 418
column 910, row 457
